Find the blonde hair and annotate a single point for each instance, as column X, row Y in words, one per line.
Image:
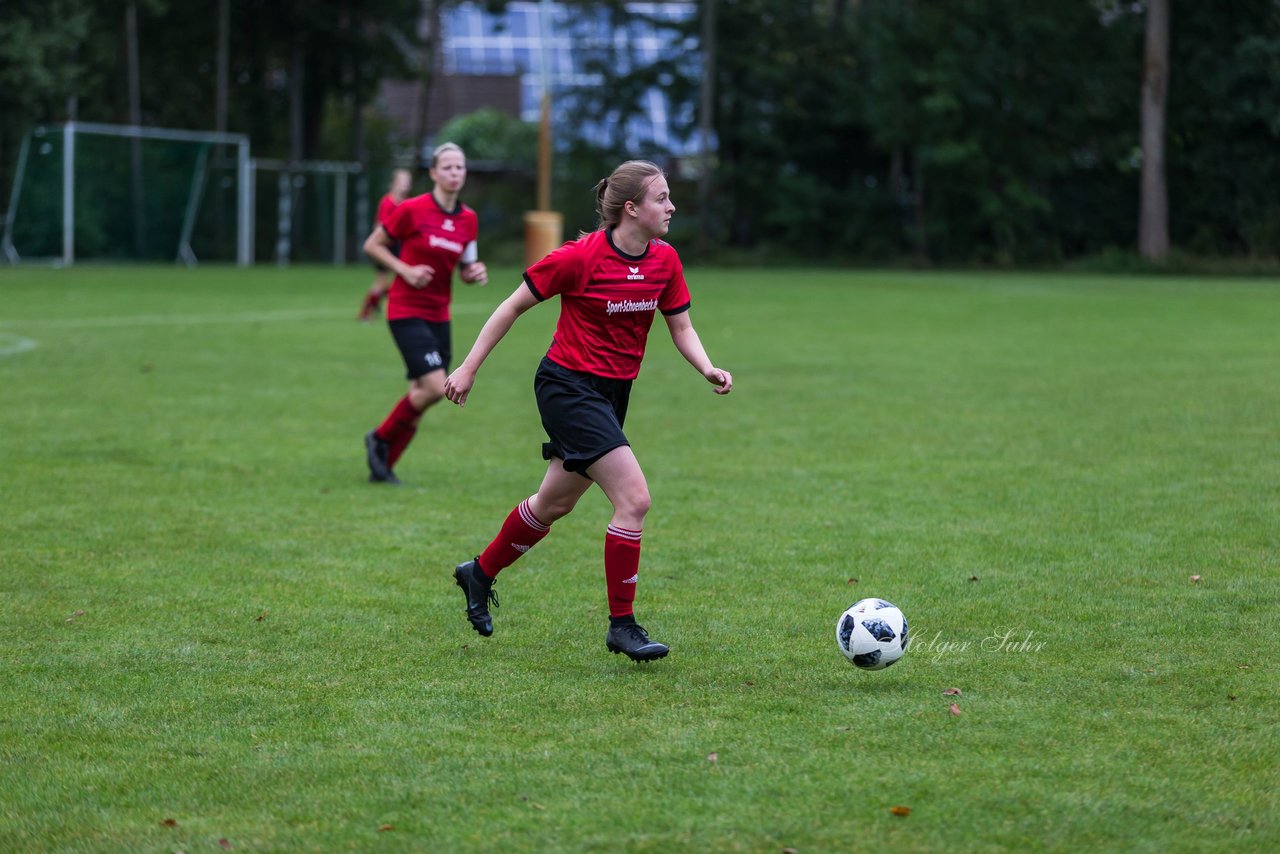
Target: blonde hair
column 628, row 183
column 442, row 148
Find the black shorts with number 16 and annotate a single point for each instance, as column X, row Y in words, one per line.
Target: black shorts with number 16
column 424, row 346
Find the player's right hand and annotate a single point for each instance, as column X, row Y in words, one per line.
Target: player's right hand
column 419, row 276
column 458, row 385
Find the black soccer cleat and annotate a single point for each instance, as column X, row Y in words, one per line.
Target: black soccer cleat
column 376, row 452
column 634, row 641
column 479, row 590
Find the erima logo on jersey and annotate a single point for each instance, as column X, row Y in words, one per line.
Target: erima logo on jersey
column 636, row 275
column 445, row 243
column 521, row 547
column 625, row 305
column 635, row 579
column 448, row 225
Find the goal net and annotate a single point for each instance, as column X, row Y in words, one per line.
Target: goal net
column 95, row 192
column 308, row 211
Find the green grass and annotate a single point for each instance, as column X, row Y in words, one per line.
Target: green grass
column 209, row 617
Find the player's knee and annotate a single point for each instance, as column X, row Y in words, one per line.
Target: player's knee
column 635, row 502
column 549, row 510
column 424, row 394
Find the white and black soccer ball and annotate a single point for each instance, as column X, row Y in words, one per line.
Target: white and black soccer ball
column 872, row 634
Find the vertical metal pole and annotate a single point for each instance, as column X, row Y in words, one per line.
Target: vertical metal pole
column 244, row 198
column 68, row 194
column 284, row 217
column 340, row 220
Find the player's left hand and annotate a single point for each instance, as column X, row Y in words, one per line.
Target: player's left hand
column 722, row 380
column 474, row 273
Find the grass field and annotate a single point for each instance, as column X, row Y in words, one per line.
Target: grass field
column 215, row 634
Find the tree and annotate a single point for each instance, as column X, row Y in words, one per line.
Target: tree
column 1153, row 227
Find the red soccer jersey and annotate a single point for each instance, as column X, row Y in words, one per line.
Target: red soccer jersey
column 435, row 237
column 607, row 301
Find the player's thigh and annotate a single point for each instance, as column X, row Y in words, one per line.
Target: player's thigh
column 620, row 476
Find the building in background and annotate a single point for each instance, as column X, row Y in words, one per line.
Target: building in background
column 502, row 61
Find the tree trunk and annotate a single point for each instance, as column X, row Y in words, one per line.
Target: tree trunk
column 1153, row 224
column 426, row 77
column 706, row 121
column 220, row 117
column 135, row 118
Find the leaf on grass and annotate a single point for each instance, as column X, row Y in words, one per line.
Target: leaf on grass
column 750, row 683
column 385, row 827
column 1195, row 579
column 951, row 692
column 78, row 613
column 260, row 617
column 1244, row 667
column 973, row 578
column 852, row 581
column 536, row 805
column 955, row 708
column 170, row 822
column 713, row 757
column 1231, row 696
column 790, row 851
column 900, row 811
column 223, row 843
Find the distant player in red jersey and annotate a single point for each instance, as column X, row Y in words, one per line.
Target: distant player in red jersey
column 610, row 283
column 401, row 184
column 436, row 233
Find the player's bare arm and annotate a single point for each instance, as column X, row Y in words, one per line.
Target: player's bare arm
column 378, row 247
column 458, row 384
column 687, row 342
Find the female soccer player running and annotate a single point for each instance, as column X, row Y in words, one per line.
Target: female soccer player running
column 437, row 232
column 610, row 283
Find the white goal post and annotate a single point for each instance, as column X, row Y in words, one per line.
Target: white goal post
column 71, row 131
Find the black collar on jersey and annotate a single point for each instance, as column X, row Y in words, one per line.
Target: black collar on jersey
column 457, row 205
column 608, row 233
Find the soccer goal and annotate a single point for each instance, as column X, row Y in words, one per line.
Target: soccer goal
column 313, row 206
column 86, row 191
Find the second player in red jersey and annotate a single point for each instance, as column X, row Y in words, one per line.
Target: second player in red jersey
column 436, row 233
column 611, row 283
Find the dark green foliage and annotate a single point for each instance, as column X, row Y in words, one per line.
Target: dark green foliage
column 935, row 131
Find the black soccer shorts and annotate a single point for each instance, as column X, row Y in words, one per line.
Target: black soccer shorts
column 424, row 346
column 582, row 414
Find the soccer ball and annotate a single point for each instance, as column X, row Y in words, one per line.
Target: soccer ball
column 872, row 634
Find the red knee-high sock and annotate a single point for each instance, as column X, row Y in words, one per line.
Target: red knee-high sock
column 520, row 532
column 621, row 568
column 403, row 438
column 403, row 419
